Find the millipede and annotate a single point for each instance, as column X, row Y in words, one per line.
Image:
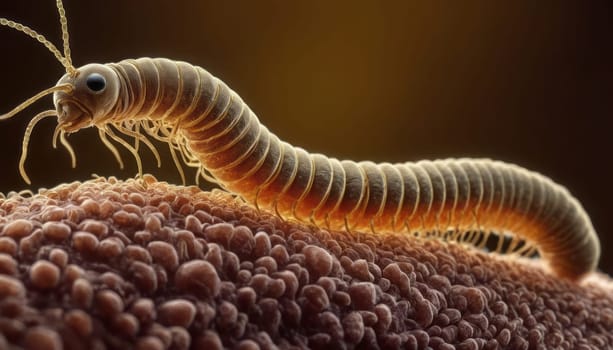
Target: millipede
column 207, row 126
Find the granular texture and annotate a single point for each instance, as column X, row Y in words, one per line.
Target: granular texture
column 140, row 264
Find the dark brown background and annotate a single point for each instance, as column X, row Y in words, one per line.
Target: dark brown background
column 522, row 81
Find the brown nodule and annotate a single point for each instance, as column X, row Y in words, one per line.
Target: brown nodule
column 286, row 284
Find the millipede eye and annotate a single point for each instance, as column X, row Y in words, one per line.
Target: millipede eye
column 96, row 82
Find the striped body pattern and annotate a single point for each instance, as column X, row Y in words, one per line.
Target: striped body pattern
column 212, row 129
column 225, row 138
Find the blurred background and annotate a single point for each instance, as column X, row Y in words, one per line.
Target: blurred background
column 522, row 81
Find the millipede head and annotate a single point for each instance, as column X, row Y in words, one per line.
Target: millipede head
column 95, row 88
column 82, row 98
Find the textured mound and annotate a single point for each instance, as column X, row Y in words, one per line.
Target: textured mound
column 111, row 264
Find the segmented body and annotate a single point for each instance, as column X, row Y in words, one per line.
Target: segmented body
column 186, row 106
column 215, row 131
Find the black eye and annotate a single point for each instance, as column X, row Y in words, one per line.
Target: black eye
column 96, row 82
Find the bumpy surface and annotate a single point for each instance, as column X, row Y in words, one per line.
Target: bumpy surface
column 146, row 265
